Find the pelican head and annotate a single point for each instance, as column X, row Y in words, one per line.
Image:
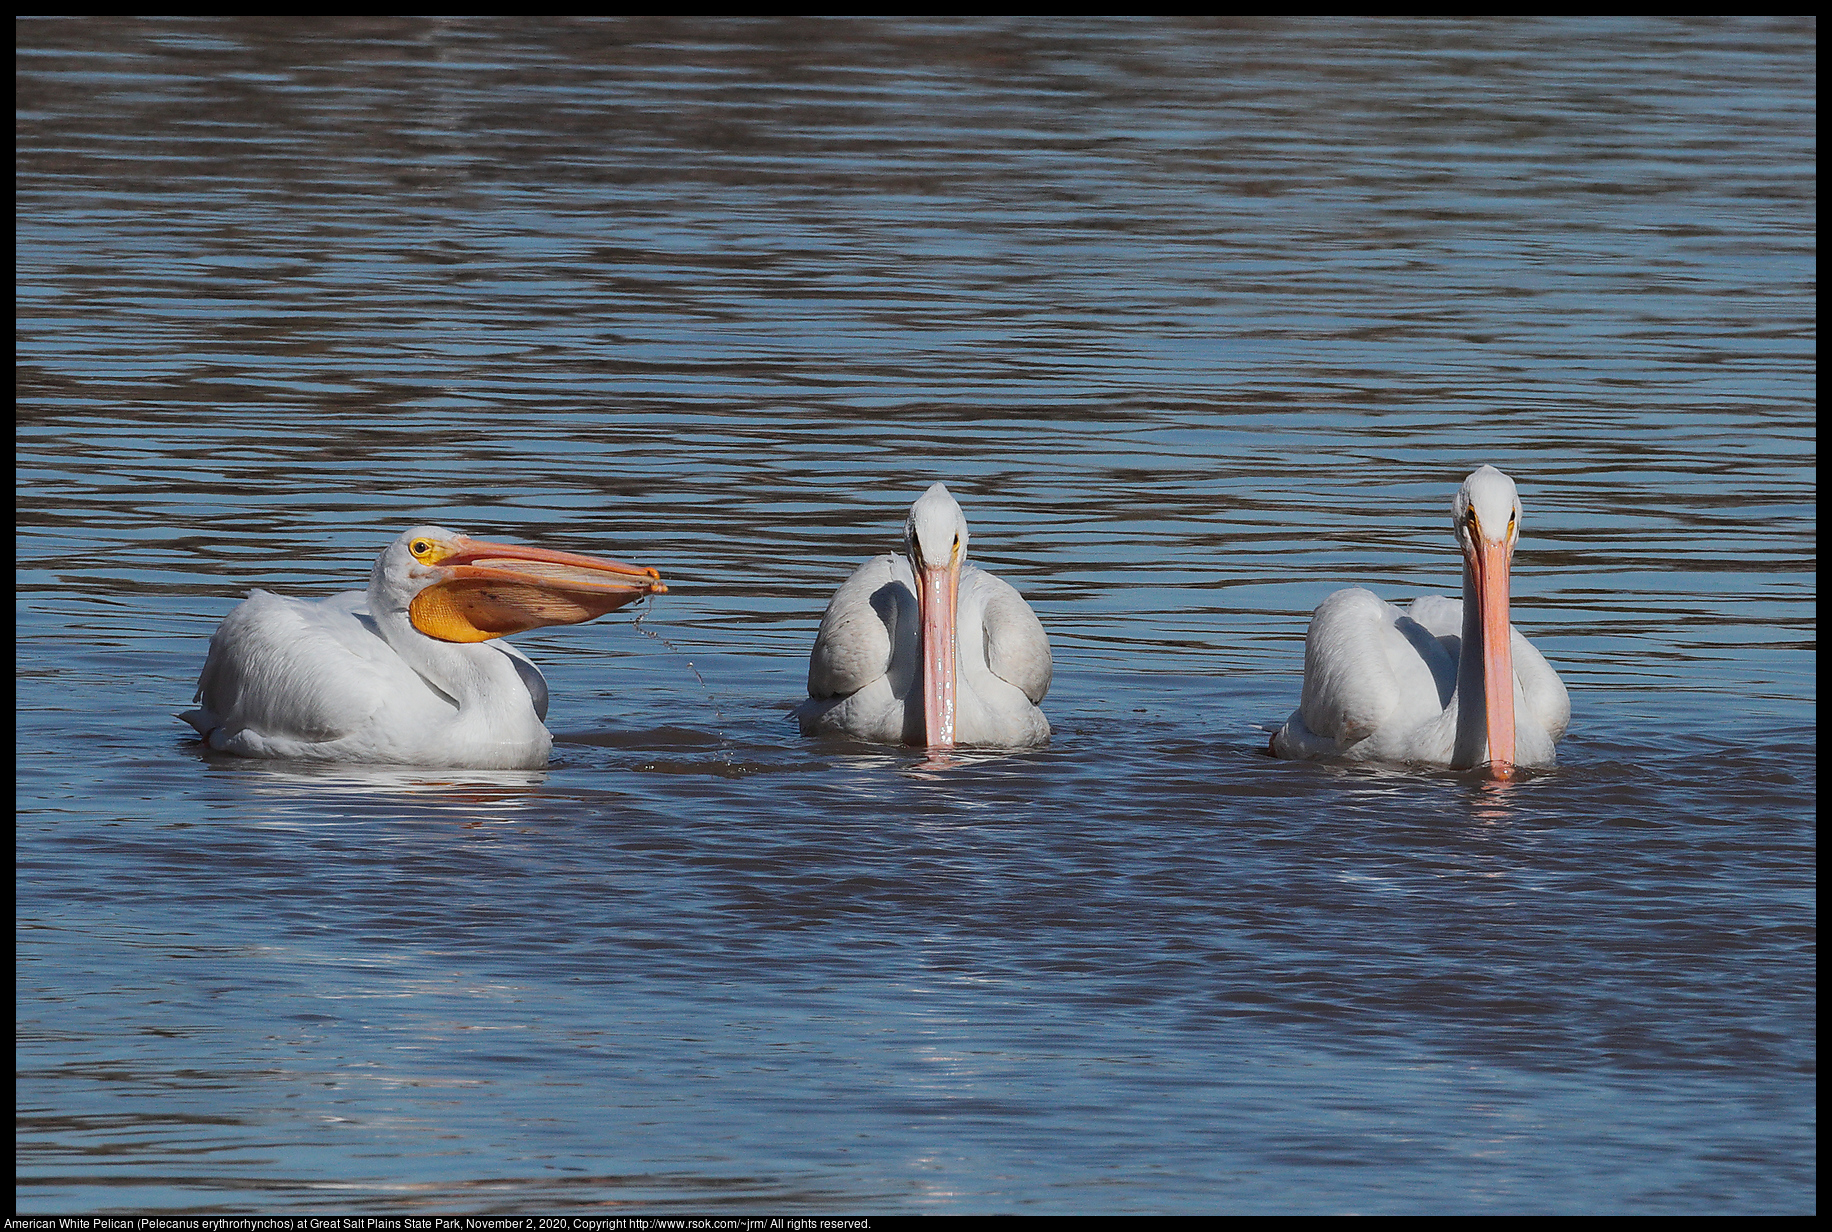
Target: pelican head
column 937, row 536
column 1488, row 508
column 458, row 589
column 937, row 529
column 1488, row 526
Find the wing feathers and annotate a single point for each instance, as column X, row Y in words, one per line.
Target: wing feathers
column 859, row 629
column 1017, row 648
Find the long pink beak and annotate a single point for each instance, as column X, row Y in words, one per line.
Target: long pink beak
column 1490, row 565
column 562, row 568
column 494, row 589
column 939, row 588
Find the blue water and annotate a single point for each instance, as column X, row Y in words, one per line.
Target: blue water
column 1200, row 321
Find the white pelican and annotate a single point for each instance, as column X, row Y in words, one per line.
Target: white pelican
column 1445, row 683
column 957, row 658
column 406, row 672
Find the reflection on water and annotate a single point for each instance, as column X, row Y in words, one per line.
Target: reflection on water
column 1488, row 804
column 283, row 777
column 302, row 793
column 1203, row 320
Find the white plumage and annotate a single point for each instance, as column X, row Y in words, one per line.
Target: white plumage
column 935, row 654
column 406, row 672
column 1440, row 683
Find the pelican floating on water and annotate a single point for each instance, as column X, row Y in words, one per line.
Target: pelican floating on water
column 929, row 651
column 1445, row 683
column 408, row 671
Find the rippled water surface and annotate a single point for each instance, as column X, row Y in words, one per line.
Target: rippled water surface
column 1200, row 321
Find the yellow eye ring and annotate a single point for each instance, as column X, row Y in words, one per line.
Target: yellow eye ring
column 420, row 547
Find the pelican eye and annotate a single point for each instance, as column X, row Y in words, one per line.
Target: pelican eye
column 420, row 547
